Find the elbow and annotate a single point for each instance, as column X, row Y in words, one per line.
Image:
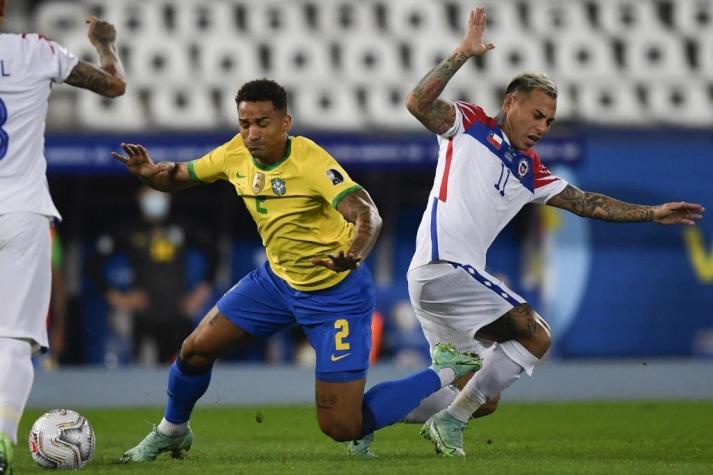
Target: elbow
column 115, row 88
column 412, row 103
column 377, row 222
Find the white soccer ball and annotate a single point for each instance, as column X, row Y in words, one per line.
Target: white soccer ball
column 62, row 438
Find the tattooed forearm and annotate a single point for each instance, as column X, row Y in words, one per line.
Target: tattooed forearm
column 90, row 77
column 423, row 103
column 598, row 206
column 358, row 208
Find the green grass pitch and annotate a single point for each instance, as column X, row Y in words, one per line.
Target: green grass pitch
column 553, row 438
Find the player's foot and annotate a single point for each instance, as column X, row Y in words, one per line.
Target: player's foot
column 361, row 447
column 445, row 355
column 156, row 443
column 6, row 454
column 446, row 433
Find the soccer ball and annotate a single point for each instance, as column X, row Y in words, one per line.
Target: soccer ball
column 62, row 438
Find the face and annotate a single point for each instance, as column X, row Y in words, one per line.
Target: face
column 264, row 129
column 528, row 118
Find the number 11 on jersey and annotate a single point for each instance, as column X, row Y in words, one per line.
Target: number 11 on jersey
column 500, row 189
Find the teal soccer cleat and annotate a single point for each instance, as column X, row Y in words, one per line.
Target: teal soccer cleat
column 361, row 447
column 156, row 443
column 445, row 355
column 446, row 433
column 6, row 454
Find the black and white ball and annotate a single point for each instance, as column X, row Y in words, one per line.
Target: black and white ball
column 62, row 438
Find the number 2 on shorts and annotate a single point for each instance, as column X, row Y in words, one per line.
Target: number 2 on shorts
column 342, row 327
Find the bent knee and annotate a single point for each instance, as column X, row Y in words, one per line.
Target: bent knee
column 340, row 432
column 194, row 355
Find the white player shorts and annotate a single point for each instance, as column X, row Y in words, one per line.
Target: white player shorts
column 25, row 276
column 453, row 301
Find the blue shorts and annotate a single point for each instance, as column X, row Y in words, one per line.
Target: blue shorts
column 337, row 320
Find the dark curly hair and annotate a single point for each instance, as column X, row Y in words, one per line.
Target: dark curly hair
column 263, row 90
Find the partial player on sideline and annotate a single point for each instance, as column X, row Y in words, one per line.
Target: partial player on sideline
column 29, row 65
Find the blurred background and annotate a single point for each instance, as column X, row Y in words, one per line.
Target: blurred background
column 136, row 269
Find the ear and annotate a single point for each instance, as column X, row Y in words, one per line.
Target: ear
column 508, row 102
column 286, row 122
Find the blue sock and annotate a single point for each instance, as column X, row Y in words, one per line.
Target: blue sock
column 186, row 385
column 389, row 402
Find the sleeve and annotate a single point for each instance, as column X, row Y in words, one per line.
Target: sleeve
column 330, row 180
column 467, row 114
column 49, row 58
column 210, row 167
column 545, row 184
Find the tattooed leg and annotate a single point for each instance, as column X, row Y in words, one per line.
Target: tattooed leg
column 523, row 325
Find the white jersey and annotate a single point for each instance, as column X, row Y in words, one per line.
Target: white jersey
column 29, row 65
column 481, row 183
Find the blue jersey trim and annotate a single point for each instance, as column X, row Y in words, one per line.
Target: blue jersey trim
column 519, row 164
column 488, row 283
column 434, row 229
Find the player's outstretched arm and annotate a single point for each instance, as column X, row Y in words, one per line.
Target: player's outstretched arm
column 110, row 80
column 436, row 114
column 357, row 208
column 598, row 206
column 162, row 176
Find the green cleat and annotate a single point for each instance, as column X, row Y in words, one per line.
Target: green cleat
column 445, row 355
column 446, row 433
column 361, row 447
column 156, row 443
column 6, row 454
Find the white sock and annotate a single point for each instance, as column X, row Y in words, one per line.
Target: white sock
column 503, row 366
column 172, row 430
column 16, row 375
column 432, row 404
column 446, row 375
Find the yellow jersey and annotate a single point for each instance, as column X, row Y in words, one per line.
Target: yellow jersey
column 293, row 203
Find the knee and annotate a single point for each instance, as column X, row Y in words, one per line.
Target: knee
column 193, row 353
column 341, row 432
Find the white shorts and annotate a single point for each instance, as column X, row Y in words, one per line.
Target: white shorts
column 454, row 301
column 25, row 276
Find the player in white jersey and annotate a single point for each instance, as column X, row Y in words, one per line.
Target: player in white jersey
column 486, row 172
column 29, row 65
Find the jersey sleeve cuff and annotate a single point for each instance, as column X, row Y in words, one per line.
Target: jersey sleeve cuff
column 192, row 171
column 337, row 199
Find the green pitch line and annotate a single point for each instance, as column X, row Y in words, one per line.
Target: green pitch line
column 590, row 438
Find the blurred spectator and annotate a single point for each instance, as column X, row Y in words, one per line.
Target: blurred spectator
column 166, row 269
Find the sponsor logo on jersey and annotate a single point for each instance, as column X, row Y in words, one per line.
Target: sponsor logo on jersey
column 523, row 167
column 335, row 176
column 278, row 186
column 258, row 182
column 495, row 140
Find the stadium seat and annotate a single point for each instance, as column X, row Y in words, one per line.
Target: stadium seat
column 183, row 107
column 226, row 63
column 385, row 107
column 704, row 56
column 99, row 113
column 514, row 55
column 613, row 101
column 369, row 58
column 214, row 20
column 692, row 17
column 655, row 56
column 339, row 17
column 503, row 17
column 419, row 19
column 680, row 103
column 555, row 17
column 274, row 20
column 300, row 59
column 56, row 20
column 135, row 19
column 161, row 61
column 629, row 17
column 579, row 56
column 327, row 105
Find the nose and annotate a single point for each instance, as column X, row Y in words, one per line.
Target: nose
column 253, row 134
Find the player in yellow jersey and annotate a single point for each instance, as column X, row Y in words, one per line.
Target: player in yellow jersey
column 317, row 226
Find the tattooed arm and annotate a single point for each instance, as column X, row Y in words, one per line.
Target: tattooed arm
column 357, row 208
column 110, row 80
column 435, row 114
column 598, row 206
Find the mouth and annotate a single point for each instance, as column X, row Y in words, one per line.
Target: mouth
column 533, row 138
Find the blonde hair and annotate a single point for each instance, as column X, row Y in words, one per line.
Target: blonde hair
column 531, row 80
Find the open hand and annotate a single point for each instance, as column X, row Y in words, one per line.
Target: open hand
column 100, row 32
column 678, row 213
column 339, row 263
column 139, row 163
column 472, row 44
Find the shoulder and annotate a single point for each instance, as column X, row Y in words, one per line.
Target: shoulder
column 307, row 148
column 473, row 114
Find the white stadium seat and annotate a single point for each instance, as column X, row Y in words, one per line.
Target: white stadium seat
column 654, row 56
column 680, row 103
column 514, row 55
column 299, row 59
column 579, row 56
column 326, row 106
column 369, row 58
column 693, row 17
column 503, row 17
column 276, row 20
column 386, row 108
column 555, row 17
column 160, row 62
column 96, row 112
column 227, row 61
column 419, row 19
column 704, row 57
column 183, row 107
column 629, row 17
column 57, row 19
column 609, row 102
column 214, row 19
column 338, row 17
